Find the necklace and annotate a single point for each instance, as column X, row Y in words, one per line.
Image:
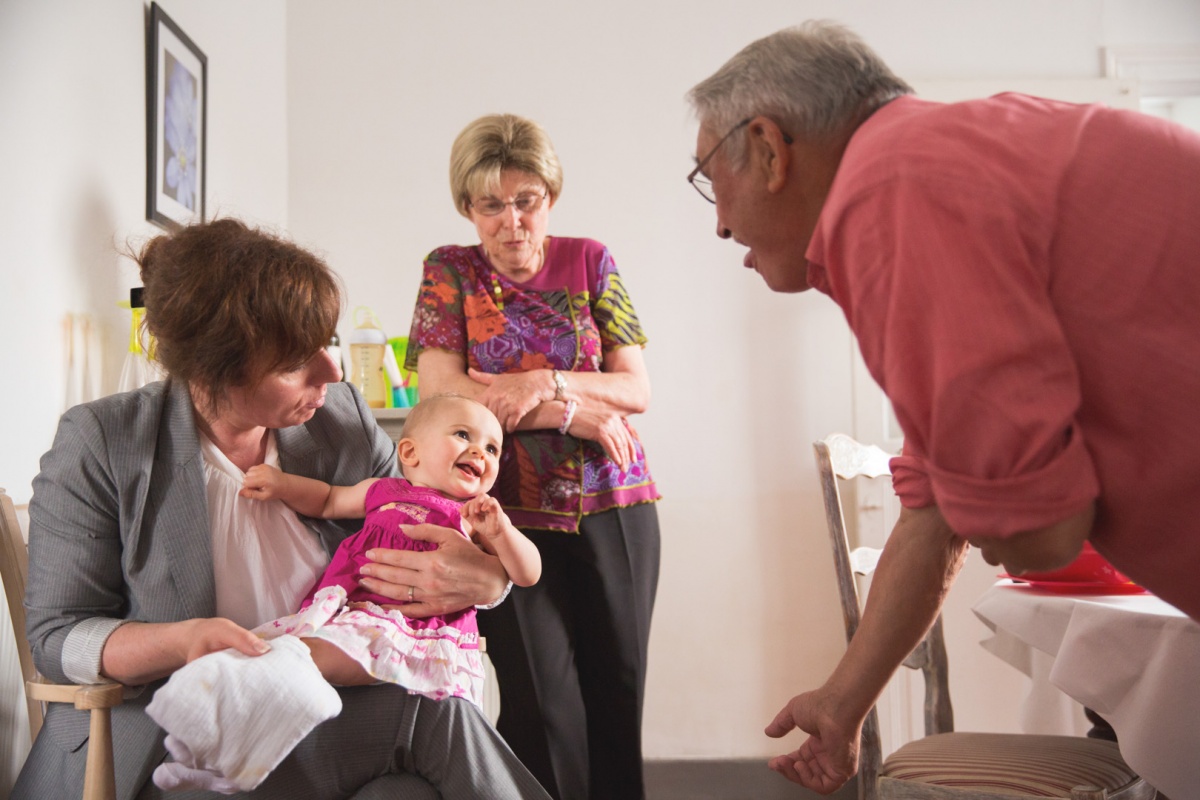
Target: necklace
column 498, row 290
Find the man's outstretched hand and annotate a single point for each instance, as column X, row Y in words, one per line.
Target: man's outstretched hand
column 828, row 758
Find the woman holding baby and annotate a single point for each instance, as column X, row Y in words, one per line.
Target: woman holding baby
column 142, row 557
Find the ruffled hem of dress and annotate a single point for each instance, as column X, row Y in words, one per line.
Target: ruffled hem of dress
column 435, row 662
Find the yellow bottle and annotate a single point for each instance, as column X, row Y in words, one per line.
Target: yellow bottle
column 367, row 343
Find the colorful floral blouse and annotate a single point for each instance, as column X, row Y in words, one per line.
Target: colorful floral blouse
column 566, row 317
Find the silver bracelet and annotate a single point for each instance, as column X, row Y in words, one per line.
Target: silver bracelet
column 503, row 596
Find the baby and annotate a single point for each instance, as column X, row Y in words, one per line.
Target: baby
column 449, row 453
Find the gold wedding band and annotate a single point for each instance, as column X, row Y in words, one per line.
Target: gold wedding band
column 411, row 589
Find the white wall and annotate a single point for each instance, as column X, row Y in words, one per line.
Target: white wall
column 73, row 178
column 353, row 160
column 73, row 188
column 744, row 380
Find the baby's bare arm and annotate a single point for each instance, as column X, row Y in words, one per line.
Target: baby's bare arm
column 303, row 495
column 497, row 535
column 307, row 496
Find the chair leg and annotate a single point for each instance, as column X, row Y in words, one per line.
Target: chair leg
column 99, row 782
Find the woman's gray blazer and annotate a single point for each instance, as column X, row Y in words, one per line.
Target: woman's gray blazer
column 118, row 528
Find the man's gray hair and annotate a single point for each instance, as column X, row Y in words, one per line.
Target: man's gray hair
column 813, row 80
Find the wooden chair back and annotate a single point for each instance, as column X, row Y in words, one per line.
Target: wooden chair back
column 840, row 457
column 14, row 570
column 99, row 777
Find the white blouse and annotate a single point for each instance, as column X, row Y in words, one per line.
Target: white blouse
column 264, row 558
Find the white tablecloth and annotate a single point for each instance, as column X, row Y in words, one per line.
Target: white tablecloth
column 1134, row 659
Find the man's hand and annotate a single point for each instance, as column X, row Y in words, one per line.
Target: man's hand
column 829, row 757
column 455, row 576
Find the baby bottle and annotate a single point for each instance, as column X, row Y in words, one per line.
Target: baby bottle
column 367, row 343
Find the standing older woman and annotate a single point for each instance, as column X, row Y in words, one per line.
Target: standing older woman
column 541, row 330
column 142, row 557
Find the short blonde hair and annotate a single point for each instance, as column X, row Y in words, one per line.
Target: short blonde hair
column 494, row 143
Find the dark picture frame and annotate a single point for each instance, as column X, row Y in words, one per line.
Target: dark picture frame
column 176, row 119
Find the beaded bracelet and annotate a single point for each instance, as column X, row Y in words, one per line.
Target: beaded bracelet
column 497, row 601
column 568, row 415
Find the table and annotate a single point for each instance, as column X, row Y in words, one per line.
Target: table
column 1133, row 659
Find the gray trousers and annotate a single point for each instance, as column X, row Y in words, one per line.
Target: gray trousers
column 448, row 743
column 570, row 654
column 376, row 748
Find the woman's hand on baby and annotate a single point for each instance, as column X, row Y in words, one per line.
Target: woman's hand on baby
column 199, row 637
column 261, row 482
column 455, row 576
column 607, row 429
column 514, row 394
column 486, row 516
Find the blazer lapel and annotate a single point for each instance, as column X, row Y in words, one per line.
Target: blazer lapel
column 182, row 505
column 300, row 454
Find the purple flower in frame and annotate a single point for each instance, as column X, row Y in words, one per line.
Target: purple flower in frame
column 180, row 137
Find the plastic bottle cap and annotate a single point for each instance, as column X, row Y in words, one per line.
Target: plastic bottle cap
column 367, row 334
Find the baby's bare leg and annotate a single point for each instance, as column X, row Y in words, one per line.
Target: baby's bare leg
column 337, row 667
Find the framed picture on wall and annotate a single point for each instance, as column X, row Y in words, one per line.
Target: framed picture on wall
column 176, row 113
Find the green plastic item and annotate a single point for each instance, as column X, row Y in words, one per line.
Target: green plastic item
column 405, row 395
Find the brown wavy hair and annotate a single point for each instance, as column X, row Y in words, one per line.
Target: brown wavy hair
column 227, row 304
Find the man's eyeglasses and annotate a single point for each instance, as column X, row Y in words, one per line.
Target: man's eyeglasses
column 700, row 182
column 524, row 204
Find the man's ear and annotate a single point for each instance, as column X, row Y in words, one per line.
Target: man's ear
column 769, row 152
column 407, row 450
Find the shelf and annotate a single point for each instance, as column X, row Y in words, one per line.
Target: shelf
column 391, row 420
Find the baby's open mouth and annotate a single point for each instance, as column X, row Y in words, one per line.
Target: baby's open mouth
column 470, row 469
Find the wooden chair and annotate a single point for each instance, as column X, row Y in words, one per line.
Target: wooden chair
column 99, row 782
column 945, row 765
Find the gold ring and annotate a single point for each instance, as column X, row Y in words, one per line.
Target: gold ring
column 411, row 589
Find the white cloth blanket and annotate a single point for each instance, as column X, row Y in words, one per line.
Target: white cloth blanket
column 232, row 718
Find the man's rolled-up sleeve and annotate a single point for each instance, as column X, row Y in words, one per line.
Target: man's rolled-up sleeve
column 997, row 507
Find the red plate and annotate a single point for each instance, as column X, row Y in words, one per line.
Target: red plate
column 1072, row 587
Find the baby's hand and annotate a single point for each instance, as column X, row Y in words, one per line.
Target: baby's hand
column 262, row 482
column 485, row 516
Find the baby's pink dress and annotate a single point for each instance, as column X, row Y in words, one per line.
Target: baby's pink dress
column 438, row 656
